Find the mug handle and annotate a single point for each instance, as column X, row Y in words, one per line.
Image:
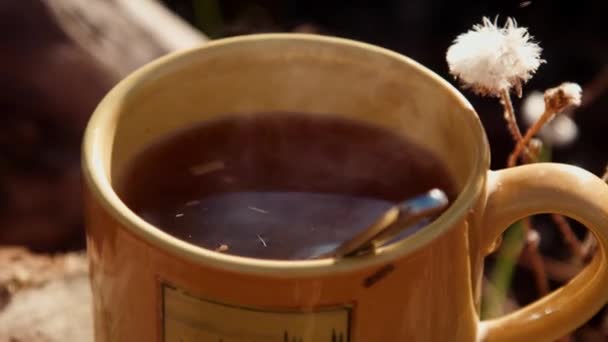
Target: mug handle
column 522, row 191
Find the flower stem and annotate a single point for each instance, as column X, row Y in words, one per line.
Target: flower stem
column 523, row 143
column 510, row 116
column 511, row 119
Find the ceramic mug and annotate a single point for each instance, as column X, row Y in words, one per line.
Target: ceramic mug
column 150, row 286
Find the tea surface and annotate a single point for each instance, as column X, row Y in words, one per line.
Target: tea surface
column 276, row 185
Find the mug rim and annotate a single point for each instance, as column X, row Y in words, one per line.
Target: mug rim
column 106, row 115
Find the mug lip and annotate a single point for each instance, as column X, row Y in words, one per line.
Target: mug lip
column 105, row 118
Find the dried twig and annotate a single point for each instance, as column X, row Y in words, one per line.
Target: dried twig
column 560, row 271
column 588, row 247
column 536, row 261
column 556, row 99
column 509, row 116
column 574, row 245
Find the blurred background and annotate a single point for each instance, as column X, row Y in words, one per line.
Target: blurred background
column 59, row 57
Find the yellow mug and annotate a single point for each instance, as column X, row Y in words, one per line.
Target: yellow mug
column 150, row 286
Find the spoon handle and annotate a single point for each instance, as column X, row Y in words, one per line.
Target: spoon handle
column 393, row 222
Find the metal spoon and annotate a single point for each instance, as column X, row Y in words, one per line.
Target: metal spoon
column 393, row 222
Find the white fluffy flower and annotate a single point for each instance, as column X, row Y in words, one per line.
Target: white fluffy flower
column 573, row 92
column 490, row 59
column 561, row 131
column 564, row 96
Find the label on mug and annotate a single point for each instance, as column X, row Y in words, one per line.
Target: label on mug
column 187, row 318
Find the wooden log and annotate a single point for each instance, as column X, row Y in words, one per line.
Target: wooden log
column 123, row 34
column 58, row 59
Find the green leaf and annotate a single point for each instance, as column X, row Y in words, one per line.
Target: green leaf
column 502, row 273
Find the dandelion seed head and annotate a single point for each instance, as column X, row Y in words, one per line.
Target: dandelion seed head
column 490, row 59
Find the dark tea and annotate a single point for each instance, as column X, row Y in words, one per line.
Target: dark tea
column 276, row 185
